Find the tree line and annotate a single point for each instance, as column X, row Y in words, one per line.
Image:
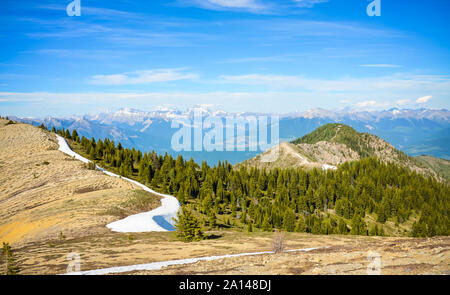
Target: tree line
column 313, row 201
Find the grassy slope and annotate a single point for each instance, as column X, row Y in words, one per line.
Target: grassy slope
column 440, row 166
column 45, row 193
column 114, row 249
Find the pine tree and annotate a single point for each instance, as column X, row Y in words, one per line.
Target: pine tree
column 374, row 230
column 75, row 136
column 250, row 227
column 419, row 229
column 212, row 219
column 187, row 226
column 342, row 227
column 355, row 224
column 301, row 225
column 266, row 226
column 289, row 221
column 11, row 267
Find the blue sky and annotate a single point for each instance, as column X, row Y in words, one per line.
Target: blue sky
column 241, row 55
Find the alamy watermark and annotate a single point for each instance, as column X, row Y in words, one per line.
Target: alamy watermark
column 237, row 133
column 74, row 266
column 374, row 267
column 74, row 8
column 374, row 8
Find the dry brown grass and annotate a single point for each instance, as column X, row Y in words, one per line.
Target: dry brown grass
column 44, row 192
column 344, row 255
column 337, row 255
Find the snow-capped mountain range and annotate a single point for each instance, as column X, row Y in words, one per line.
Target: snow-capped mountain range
column 415, row 131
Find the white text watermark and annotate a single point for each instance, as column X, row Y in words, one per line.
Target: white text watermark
column 238, row 133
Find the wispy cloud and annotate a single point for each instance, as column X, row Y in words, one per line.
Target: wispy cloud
column 87, row 102
column 403, row 101
column 142, row 77
column 424, row 99
column 367, row 103
column 277, row 58
column 308, row 3
column 380, row 66
column 392, row 83
column 245, row 5
column 98, row 12
column 376, row 92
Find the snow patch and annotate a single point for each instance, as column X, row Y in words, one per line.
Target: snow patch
column 327, row 167
column 161, row 264
column 159, row 219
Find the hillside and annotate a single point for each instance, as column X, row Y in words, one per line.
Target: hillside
column 53, row 205
column 333, row 144
column 440, row 166
column 46, row 195
column 364, row 144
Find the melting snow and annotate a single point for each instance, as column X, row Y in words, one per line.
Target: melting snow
column 159, row 219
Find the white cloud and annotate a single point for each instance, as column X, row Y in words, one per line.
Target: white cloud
column 66, row 104
column 235, row 3
column 308, row 3
column 390, row 86
column 403, row 101
column 276, row 58
column 368, row 103
column 380, row 66
column 142, row 77
column 424, row 99
column 90, row 11
column 248, row 5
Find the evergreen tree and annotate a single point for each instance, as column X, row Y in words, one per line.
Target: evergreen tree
column 266, row 226
column 300, row 227
column 342, row 227
column 187, row 226
column 374, row 230
column 212, row 219
column 249, row 227
column 11, row 267
column 289, row 221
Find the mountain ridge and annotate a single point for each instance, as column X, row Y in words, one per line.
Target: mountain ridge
column 405, row 129
column 333, row 144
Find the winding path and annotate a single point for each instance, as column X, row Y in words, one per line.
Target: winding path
column 159, row 219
